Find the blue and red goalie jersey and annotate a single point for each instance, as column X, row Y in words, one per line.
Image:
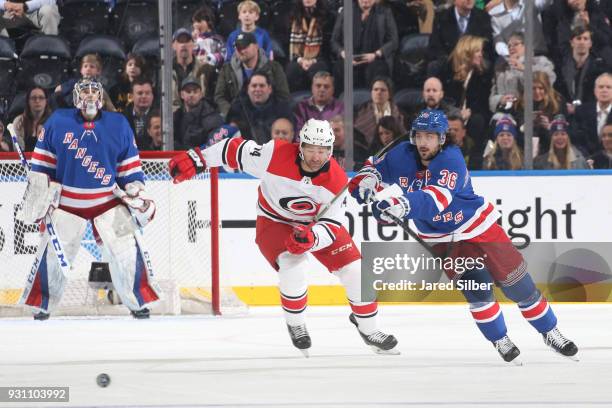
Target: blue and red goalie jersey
column 443, row 204
column 87, row 158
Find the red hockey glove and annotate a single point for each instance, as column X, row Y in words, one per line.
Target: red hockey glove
column 187, row 164
column 301, row 240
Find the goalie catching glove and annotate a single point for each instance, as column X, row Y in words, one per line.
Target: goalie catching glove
column 302, row 239
column 187, row 164
column 134, row 197
column 389, row 210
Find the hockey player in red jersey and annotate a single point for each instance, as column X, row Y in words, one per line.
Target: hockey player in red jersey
column 297, row 182
column 86, row 167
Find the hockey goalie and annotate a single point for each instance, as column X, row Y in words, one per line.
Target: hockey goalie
column 86, row 167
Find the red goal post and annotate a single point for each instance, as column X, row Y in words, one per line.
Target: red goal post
column 183, row 240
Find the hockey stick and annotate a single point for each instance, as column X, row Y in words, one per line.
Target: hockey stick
column 62, row 257
column 379, row 154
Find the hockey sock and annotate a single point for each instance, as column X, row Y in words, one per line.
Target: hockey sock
column 366, row 316
column 294, row 308
column 484, row 308
column 532, row 304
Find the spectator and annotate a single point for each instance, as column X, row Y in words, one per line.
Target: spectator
column 562, row 153
column 433, row 98
column 505, row 154
column 579, row 70
column 452, row 23
column 565, row 16
column 467, row 81
column 254, row 114
column 591, row 116
column 387, row 130
column 137, row 111
column 306, row 42
column 425, row 12
column 248, row 14
column 602, row 159
column 457, row 133
column 509, row 74
column 185, row 65
column 5, row 140
column 120, row 93
column 30, row 122
column 282, row 129
column 154, row 132
column 369, row 114
column 235, row 73
column 89, row 67
column 195, row 119
column 209, row 46
column 375, row 41
column 321, row 105
column 547, row 103
column 44, row 14
column 508, row 17
column 337, row 124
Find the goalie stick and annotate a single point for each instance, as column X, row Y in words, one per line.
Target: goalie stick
column 58, row 248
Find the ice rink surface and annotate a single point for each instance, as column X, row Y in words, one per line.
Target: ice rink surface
column 248, row 361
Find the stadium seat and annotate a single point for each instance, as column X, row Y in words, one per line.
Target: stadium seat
column 8, row 67
column 148, row 48
column 227, row 16
column 17, row 107
column 81, row 18
column 360, row 96
column 134, row 19
column 182, row 10
column 44, row 61
column 111, row 51
column 280, row 53
column 408, row 99
column 280, row 16
column 412, row 60
column 297, row 97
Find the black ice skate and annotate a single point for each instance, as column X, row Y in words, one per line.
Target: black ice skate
column 141, row 314
column 300, row 338
column 380, row 342
column 559, row 343
column 41, row 316
column 507, row 350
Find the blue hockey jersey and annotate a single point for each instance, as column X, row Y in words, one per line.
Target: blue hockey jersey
column 87, row 158
column 443, row 204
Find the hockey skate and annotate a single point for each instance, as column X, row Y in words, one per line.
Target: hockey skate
column 507, row 350
column 559, row 343
column 380, row 342
column 41, row 316
column 300, row 338
column 140, row 314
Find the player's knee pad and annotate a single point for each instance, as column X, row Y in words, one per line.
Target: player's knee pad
column 129, row 263
column 46, row 280
column 474, row 279
column 523, row 291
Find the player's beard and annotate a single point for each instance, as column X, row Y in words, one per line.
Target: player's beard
column 427, row 155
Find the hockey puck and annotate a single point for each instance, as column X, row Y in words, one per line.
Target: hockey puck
column 103, row 380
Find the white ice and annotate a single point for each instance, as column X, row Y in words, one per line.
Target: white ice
column 248, row 361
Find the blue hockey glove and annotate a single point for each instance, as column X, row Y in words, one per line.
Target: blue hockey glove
column 397, row 207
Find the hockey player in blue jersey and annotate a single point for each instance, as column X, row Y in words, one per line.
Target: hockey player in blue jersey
column 86, row 166
column 437, row 195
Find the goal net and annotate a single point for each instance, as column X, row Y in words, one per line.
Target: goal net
column 182, row 241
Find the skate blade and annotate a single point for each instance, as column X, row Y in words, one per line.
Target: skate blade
column 392, row 352
column 305, row 352
column 517, row 362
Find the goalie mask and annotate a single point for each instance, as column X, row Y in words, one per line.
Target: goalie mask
column 87, row 95
column 317, row 133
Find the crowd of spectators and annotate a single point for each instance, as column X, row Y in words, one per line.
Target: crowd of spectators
column 281, row 62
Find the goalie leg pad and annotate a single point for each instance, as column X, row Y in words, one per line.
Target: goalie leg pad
column 45, row 283
column 363, row 305
column 41, row 194
column 129, row 262
column 293, row 287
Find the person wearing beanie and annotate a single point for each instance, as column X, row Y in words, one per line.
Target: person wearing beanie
column 506, row 154
column 562, row 154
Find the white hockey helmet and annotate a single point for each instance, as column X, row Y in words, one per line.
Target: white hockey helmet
column 318, row 133
column 92, row 103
